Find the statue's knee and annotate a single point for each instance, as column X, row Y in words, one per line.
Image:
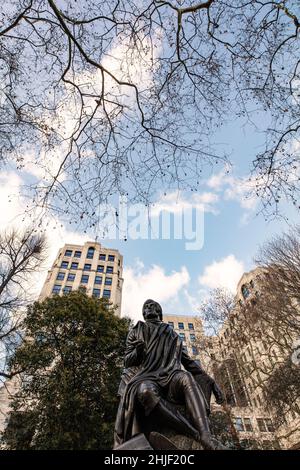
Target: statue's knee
column 187, row 380
column 147, row 395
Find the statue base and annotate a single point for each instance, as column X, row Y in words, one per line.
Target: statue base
column 158, row 441
column 171, row 441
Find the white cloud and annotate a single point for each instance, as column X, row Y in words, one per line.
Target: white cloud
column 11, row 203
column 175, row 202
column 217, row 181
column 241, row 190
column 123, row 62
column 141, row 284
column 12, row 215
column 225, row 273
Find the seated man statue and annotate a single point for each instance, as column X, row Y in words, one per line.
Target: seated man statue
column 153, row 382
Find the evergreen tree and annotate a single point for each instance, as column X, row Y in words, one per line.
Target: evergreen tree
column 70, row 367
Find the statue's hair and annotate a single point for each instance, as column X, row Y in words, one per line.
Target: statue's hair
column 157, row 307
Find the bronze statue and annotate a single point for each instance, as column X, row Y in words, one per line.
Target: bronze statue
column 153, row 382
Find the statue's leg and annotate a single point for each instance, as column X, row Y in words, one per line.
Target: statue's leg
column 149, row 396
column 184, row 388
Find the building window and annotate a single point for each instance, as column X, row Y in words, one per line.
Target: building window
column 84, row 279
column 106, row 293
column 248, row 424
column 102, row 257
column 252, row 283
column 68, row 253
column 67, row 289
column 109, row 269
column 269, row 425
column 266, row 445
column 119, row 262
column 74, row 265
column 98, row 279
column 192, row 337
column 245, row 291
column 90, row 253
column 87, row 267
column 100, row 268
column 111, row 257
column 96, row 293
column 56, row 289
column 261, row 425
column 182, row 336
column 181, row 326
column 191, row 326
column 71, row 277
column 171, row 323
column 60, row 276
column 108, row 281
column 258, row 400
column 238, row 424
column 64, row 264
column 77, row 254
column 195, row 351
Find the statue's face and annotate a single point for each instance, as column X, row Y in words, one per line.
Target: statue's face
column 150, row 312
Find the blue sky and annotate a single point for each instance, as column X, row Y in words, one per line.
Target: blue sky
column 164, row 269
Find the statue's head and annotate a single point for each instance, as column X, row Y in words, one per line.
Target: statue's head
column 152, row 310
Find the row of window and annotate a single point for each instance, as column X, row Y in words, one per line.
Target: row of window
column 90, row 255
column 245, row 424
column 86, row 267
column 183, row 337
column 84, row 278
column 181, row 325
column 245, row 289
column 253, row 444
column 96, row 292
column 195, row 351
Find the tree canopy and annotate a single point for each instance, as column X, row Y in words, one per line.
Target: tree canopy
column 70, row 363
column 22, row 254
column 266, row 325
column 104, row 97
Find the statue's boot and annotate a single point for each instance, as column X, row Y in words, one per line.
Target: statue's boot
column 171, row 417
column 197, row 410
column 209, row 442
column 218, row 394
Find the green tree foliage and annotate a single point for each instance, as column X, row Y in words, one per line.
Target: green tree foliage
column 71, row 363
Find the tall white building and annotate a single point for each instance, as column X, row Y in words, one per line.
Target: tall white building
column 99, row 270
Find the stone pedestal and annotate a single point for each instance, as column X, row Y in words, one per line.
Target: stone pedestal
column 169, row 440
column 157, row 441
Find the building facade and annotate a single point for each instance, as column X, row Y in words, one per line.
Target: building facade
column 190, row 330
column 243, row 364
column 91, row 266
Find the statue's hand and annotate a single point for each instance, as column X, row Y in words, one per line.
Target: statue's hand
column 218, row 394
column 139, row 346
